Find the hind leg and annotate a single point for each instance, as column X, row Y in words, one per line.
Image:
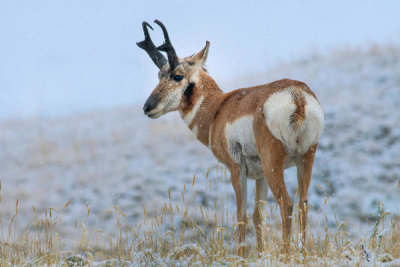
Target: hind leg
column 304, row 169
column 272, row 154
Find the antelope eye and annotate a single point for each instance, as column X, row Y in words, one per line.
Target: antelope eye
column 178, row 78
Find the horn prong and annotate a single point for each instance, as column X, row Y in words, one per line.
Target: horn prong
column 148, row 45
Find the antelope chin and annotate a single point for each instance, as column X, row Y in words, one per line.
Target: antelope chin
column 154, row 115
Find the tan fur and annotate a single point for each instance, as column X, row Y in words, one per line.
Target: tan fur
column 210, row 123
column 298, row 116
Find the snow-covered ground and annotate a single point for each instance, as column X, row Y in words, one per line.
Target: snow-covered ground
column 121, row 158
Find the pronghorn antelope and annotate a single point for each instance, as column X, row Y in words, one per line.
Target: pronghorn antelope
column 255, row 132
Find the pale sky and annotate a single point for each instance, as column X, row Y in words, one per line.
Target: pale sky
column 61, row 57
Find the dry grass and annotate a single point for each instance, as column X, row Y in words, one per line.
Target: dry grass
column 194, row 234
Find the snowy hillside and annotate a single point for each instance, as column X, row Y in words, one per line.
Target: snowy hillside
column 121, row 158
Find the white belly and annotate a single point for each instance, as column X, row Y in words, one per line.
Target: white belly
column 240, row 138
column 242, row 146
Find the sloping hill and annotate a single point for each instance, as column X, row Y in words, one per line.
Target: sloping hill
column 121, row 158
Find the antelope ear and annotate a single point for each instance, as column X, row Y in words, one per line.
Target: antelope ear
column 200, row 58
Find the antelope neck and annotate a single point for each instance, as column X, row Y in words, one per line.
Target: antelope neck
column 201, row 106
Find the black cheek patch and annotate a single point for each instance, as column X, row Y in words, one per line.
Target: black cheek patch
column 188, row 91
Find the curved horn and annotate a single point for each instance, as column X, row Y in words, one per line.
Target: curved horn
column 148, row 46
column 167, row 47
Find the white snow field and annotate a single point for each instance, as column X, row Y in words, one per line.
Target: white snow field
column 121, row 158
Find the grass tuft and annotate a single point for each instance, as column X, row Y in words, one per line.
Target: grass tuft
column 193, row 233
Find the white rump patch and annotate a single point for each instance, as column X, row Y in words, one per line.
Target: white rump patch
column 313, row 123
column 190, row 116
column 278, row 109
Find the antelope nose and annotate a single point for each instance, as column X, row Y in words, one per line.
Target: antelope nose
column 146, row 108
column 150, row 104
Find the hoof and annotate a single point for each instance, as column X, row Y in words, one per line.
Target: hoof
column 243, row 251
column 284, row 258
column 285, row 249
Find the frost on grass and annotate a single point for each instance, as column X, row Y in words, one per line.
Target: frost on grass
column 195, row 243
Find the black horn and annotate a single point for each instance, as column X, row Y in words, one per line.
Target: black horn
column 167, row 47
column 148, row 46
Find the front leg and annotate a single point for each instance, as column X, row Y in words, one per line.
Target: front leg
column 239, row 183
column 261, row 195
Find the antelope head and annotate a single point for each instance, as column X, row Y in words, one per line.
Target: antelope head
column 177, row 77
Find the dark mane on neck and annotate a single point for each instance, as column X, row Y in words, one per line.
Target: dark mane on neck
column 189, row 92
